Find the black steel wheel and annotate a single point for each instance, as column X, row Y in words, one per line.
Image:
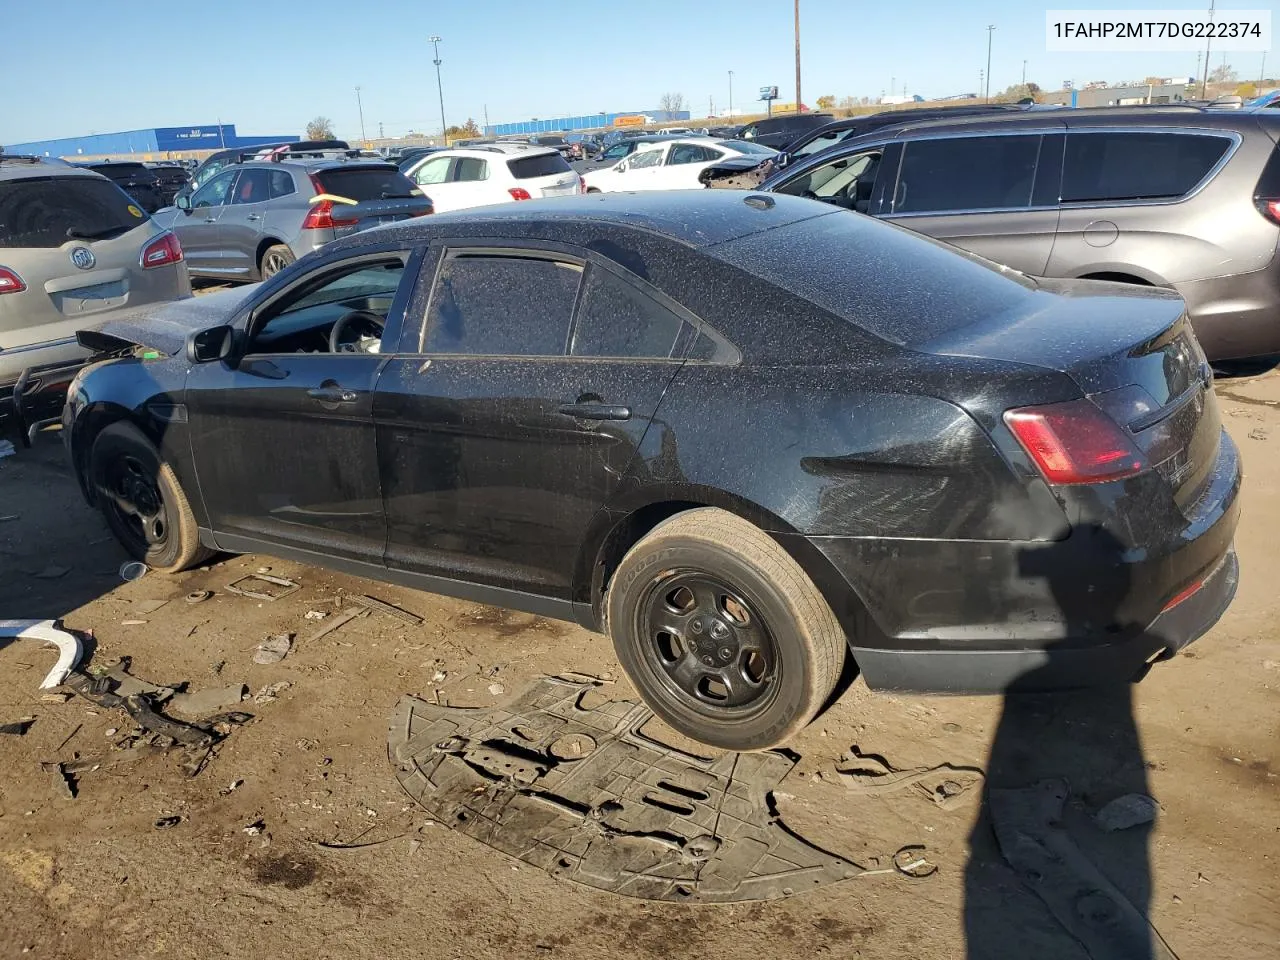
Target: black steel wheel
column 142, row 500
column 721, row 631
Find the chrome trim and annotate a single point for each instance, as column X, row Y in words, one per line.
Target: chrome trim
column 975, row 210
column 26, row 348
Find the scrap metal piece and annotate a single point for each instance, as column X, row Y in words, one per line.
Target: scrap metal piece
column 97, row 690
column 1027, row 824
column 387, row 609
column 947, row 785
column 50, row 631
column 62, row 778
column 337, row 622
column 288, row 585
column 621, row 812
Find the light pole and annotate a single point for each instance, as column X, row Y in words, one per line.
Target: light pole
column 991, row 29
column 435, row 45
column 360, row 107
column 1024, row 73
column 1207, row 44
column 730, row 94
column 799, row 109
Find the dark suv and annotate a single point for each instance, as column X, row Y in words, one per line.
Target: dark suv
column 134, row 179
column 1178, row 197
column 777, row 132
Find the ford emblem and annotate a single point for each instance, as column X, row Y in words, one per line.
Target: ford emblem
column 83, row 258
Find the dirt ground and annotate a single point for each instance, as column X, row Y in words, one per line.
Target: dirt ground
column 94, row 877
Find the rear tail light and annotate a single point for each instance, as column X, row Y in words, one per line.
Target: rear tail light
column 1269, row 209
column 1075, row 442
column 519, row 193
column 320, row 216
column 163, row 250
column 10, row 282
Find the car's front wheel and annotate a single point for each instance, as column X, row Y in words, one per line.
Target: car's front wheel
column 724, row 635
column 143, row 501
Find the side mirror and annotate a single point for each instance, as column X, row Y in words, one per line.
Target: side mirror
column 183, row 203
column 205, row 346
column 621, row 167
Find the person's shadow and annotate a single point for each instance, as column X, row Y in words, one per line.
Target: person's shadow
column 1043, row 880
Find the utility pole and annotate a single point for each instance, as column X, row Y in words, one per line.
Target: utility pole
column 1204, row 82
column 1262, row 72
column 1024, row 73
column 360, row 107
column 799, row 108
column 980, row 81
column 991, row 29
column 435, row 45
column 486, row 118
column 381, row 135
column 730, row 94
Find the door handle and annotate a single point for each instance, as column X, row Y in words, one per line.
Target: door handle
column 596, row 411
column 253, row 216
column 210, row 219
column 333, row 394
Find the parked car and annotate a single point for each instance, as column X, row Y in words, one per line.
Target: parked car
column 668, row 164
column 620, row 148
column 495, row 173
column 1175, row 197
column 222, row 159
column 747, row 436
column 257, row 217
column 133, row 178
column 74, row 249
column 777, row 132
column 171, row 177
column 410, row 155
column 554, row 140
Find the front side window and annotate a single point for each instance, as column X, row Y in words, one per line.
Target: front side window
column 820, row 143
column 645, row 158
column 216, row 192
column 619, row 320
column 617, row 151
column 501, row 305
column 967, row 173
column 846, row 182
column 1127, row 165
column 433, row 170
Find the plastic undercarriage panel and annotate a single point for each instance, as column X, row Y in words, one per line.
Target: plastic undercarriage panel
column 581, row 793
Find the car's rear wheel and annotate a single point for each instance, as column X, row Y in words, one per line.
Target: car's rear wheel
column 724, row 635
column 274, row 259
column 143, row 501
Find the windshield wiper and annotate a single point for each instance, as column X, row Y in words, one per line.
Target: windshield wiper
column 74, row 233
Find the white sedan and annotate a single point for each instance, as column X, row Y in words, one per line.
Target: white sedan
column 670, row 165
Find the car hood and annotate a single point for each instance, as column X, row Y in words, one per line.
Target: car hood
column 164, row 326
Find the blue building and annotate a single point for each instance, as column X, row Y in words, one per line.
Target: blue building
column 155, row 143
column 588, row 121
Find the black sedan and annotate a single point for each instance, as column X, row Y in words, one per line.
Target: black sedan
column 747, row 436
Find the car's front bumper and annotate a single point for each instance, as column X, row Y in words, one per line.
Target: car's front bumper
column 33, row 383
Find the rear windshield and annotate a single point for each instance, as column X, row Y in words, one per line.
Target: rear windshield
column 369, row 183
column 539, row 165
column 49, row 211
column 901, row 286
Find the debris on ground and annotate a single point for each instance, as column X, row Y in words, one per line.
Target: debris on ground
column 198, row 596
column 203, row 702
column 315, row 615
column 63, row 780
column 55, row 698
column 271, row 691
column 257, row 592
column 912, row 862
column 625, row 813
column 573, row 676
column 125, row 684
column 273, row 649
column 144, row 607
column 866, row 774
column 1258, row 433
column 166, row 822
column 17, row 728
column 1028, row 826
column 255, row 828
column 325, row 845
column 50, row 631
column 133, row 570
column 497, row 689
column 337, row 622
column 386, row 609
column 1130, row 810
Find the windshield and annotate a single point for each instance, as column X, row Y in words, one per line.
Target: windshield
column 49, row 211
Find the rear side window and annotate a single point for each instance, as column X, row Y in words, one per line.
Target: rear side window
column 1106, row 166
column 539, row 165
column 967, row 173
column 49, row 211
column 691, row 153
column 254, row 186
column 470, row 169
column 498, row 305
column 619, row 320
column 281, row 184
column 367, row 183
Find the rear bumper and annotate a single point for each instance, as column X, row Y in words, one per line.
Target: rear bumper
column 1238, row 316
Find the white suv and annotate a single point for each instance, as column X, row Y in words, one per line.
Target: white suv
column 493, row 173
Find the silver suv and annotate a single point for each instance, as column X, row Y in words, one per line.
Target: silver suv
column 74, row 251
column 254, row 218
column 1179, row 197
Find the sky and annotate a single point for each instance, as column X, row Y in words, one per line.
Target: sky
column 269, row 67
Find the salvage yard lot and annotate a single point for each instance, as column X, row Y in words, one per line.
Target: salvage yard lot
column 95, row 876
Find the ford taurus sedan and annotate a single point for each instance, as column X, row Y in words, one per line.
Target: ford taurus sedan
column 747, row 436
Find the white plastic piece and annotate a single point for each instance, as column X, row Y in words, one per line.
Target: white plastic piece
column 68, row 645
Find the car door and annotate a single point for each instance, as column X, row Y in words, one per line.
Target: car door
column 471, row 186
column 282, row 432
column 497, row 449
column 435, row 176
column 643, row 168
column 849, row 180
column 242, row 220
column 198, row 229
column 980, row 193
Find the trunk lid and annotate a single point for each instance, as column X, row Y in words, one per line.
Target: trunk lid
column 369, row 196
column 1131, row 350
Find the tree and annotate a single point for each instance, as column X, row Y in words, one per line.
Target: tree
column 671, row 103
column 1019, row 91
column 468, row 129
column 1247, row 90
column 827, row 101
column 321, row 128
column 1223, row 73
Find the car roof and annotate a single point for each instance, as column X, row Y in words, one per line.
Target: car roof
column 695, row 218
column 509, row 148
column 21, row 167
column 318, row 164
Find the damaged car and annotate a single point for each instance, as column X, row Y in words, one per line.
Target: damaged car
column 749, row 437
